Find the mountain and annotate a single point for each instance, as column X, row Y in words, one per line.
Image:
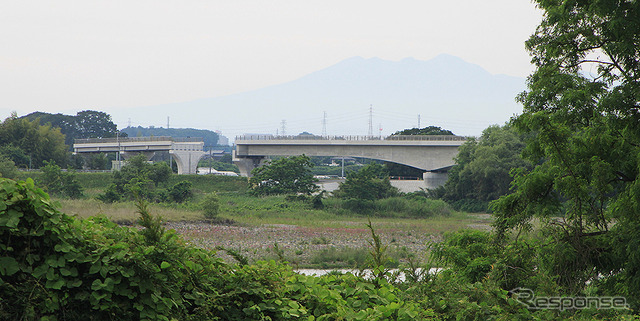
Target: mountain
column 445, row 91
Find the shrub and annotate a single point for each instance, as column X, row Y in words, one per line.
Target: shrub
column 58, row 182
column 210, row 205
column 181, row 192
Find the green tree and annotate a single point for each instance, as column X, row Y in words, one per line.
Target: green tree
column 371, row 182
column 483, row 167
column 55, row 181
column 581, row 108
column 287, row 175
column 210, row 205
column 429, row 130
column 181, row 192
column 85, row 124
column 138, row 178
column 8, row 168
column 40, row 143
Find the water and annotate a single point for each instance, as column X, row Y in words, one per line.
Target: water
column 367, row 272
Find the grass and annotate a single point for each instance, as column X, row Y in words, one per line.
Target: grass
column 321, row 238
column 123, row 212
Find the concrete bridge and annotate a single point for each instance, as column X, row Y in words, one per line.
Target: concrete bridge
column 433, row 154
column 185, row 151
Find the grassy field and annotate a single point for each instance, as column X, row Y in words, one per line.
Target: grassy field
column 280, row 227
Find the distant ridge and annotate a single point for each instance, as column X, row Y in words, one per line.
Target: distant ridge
column 445, row 91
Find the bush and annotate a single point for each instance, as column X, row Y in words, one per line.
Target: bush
column 369, row 183
column 58, row 182
column 8, row 168
column 210, row 205
column 180, row 192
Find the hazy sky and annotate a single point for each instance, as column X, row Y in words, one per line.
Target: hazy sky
column 65, row 56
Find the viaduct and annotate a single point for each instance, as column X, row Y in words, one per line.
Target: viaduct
column 185, row 151
column 433, row 154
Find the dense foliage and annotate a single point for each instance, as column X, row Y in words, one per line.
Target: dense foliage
column 483, row 169
column 57, row 268
column 429, row 130
column 85, row 124
column 57, row 182
column 371, row 182
column 287, row 175
column 582, row 109
column 210, row 137
column 29, row 144
column 139, row 178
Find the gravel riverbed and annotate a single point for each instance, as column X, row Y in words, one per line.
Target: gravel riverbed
column 298, row 244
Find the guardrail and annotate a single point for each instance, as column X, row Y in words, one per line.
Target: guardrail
column 137, row 139
column 354, row 138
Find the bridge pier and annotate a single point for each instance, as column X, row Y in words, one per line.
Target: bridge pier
column 434, row 179
column 187, row 160
column 247, row 164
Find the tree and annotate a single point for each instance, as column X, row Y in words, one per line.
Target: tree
column 138, row 178
column 85, row 124
column 55, row 181
column 371, row 182
column 483, row 167
column 429, row 130
column 287, row 175
column 582, row 110
column 29, row 138
column 8, row 168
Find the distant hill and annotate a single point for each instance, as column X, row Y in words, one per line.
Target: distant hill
column 210, row 138
column 445, row 91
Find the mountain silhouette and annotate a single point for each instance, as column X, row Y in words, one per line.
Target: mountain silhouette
column 445, row 91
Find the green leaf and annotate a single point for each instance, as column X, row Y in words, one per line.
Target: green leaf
column 8, row 266
column 165, row 265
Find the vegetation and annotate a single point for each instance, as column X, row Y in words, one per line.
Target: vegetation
column 483, row 169
column 8, row 168
column 585, row 146
column 429, row 130
column 29, row 144
column 287, row 175
column 85, row 124
column 210, row 137
column 57, row 182
column 138, row 178
column 210, row 205
column 370, row 183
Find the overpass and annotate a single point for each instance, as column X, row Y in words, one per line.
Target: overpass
column 185, row 151
column 431, row 153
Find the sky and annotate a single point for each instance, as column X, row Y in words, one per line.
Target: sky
column 66, row 56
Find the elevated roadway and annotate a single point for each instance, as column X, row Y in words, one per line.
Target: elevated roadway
column 433, row 154
column 185, row 151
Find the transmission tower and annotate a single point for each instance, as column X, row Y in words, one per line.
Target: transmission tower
column 284, row 127
column 418, row 121
column 370, row 120
column 324, row 124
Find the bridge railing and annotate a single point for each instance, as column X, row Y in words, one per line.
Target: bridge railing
column 137, row 139
column 354, row 138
